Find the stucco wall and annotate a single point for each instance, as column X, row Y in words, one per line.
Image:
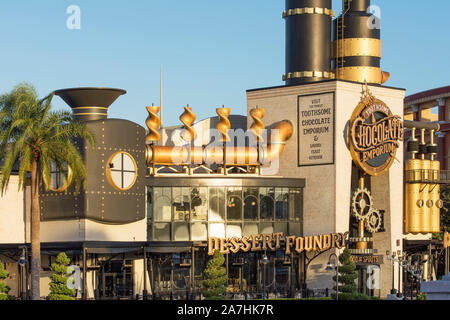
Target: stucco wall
column 12, row 219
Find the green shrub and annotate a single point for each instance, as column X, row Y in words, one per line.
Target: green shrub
column 421, row 296
column 58, row 285
column 347, row 276
column 215, row 278
column 4, row 289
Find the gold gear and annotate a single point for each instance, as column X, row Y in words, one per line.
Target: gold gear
column 373, row 221
column 362, row 203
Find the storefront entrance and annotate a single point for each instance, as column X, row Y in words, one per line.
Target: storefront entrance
column 174, row 276
column 115, row 280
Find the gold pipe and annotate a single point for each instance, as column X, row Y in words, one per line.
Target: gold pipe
column 258, row 126
column 224, row 124
column 422, row 140
column 153, row 122
column 421, row 125
column 413, row 138
column 188, row 118
column 169, row 155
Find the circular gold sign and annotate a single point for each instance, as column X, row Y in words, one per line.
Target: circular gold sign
column 374, row 136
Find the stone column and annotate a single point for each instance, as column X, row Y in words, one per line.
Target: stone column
column 416, row 112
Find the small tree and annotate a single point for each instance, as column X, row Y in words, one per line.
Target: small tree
column 215, row 278
column 4, row 289
column 347, row 276
column 58, row 285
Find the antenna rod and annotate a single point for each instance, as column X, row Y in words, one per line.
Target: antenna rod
column 160, row 95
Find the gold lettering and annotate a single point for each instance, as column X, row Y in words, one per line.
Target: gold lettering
column 317, row 243
column 213, row 245
column 246, row 245
column 224, row 246
column 278, row 235
column 299, row 245
column 235, row 243
column 309, row 244
column 255, row 243
column 267, row 242
column 289, row 243
column 326, row 242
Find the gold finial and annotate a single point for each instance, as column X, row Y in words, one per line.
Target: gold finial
column 224, row 124
column 188, row 118
column 368, row 97
column 153, row 122
column 258, row 126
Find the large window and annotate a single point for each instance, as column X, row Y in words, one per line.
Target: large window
column 234, row 204
column 121, row 171
column 195, row 213
column 59, row 179
column 267, row 203
column 251, row 204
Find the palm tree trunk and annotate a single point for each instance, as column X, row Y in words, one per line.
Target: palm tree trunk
column 35, row 233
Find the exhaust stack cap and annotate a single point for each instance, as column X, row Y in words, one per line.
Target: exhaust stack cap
column 90, row 104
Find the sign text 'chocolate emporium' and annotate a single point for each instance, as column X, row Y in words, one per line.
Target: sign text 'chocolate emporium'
column 273, row 242
column 374, row 135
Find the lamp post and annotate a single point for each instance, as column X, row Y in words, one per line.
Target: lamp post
column 331, row 267
column 23, row 262
column 265, row 261
column 400, row 267
column 393, row 291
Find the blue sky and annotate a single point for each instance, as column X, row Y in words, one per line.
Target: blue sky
column 211, row 50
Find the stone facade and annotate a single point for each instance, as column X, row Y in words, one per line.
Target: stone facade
column 328, row 191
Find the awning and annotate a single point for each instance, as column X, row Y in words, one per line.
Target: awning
column 167, row 249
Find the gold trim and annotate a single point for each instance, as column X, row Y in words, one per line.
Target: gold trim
column 357, row 47
column 103, row 108
column 360, row 74
column 308, row 74
column 368, row 101
column 66, row 184
column 91, row 113
column 108, row 171
column 306, row 10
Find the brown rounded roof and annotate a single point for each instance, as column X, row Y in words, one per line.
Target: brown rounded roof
column 431, row 94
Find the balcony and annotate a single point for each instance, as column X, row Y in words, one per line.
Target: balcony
column 428, row 176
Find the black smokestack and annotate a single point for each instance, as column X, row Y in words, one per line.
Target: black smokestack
column 308, row 45
column 90, row 104
column 356, row 5
column 357, row 44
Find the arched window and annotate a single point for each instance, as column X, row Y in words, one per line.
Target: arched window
column 121, row 171
column 59, row 179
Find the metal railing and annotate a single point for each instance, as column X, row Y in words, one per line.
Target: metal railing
column 427, row 176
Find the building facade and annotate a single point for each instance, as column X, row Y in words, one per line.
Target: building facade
column 311, row 170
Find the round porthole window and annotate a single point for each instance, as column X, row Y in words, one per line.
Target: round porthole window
column 59, row 179
column 121, row 171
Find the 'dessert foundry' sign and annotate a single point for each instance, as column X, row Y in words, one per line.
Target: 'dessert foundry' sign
column 374, row 135
column 316, row 129
column 272, row 242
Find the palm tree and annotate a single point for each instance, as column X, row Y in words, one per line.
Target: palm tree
column 32, row 138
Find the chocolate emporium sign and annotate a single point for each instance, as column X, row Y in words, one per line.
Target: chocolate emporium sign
column 374, row 135
column 273, row 242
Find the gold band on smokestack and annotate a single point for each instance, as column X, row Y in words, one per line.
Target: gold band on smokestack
column 224, row 124
column 258, row 126
column 356, row 49
column 188, row 119
column 153, row 122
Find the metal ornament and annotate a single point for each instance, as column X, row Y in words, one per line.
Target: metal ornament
column 373, row 221
column 362, row 204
